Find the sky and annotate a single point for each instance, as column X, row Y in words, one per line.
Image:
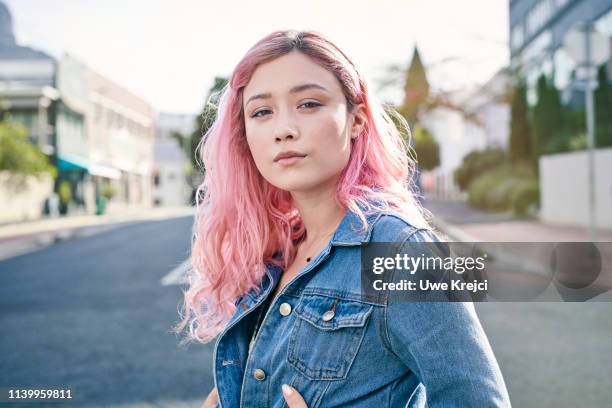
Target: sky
column 169, row 51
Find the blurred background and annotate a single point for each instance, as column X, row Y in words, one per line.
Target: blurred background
column 103, row 103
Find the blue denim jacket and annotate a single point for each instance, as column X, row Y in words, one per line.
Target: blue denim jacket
column 338, row 350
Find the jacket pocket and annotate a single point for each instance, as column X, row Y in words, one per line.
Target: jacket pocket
column 326, row 336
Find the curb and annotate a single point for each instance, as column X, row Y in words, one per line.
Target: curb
column 15, row 243
column 66, row 223
column 455, row 234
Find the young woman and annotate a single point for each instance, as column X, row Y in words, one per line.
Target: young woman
column 303, row 167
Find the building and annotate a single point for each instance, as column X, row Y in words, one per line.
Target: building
column 172, row 170
column 489, row 111
column 28, row 95
column 27, row 85
column 121, row 138
column 98, row 134
column 170, row 175
column 168, row 124
column 451, row 130
column 537, row 30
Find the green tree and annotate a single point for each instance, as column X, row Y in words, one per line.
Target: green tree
column 520, row 132
column 426, row 148
column 205, row 120
column 603, row 109
column 19, row 157
column 548, row 120
column 421, row 141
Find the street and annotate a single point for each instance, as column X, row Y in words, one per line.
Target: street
column 552, row 354
column 91, row 314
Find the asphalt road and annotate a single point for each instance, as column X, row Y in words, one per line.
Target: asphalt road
column 552, row 354
column 90, row 314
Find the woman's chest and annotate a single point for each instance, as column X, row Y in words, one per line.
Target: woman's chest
column 286, row 277
column 317, row 335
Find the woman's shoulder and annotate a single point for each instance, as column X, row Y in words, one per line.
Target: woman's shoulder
column 394, row 226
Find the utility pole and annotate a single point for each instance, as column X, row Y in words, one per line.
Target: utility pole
column 588, row 48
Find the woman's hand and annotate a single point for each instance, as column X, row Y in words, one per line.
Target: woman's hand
column 293, row 397
column 211, row 400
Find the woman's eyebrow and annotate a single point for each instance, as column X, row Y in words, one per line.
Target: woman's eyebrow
column 295, row 89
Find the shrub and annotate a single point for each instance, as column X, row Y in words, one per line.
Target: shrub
column 496, row 190
column 65, row 192
column 499, row 198
column 108, row 192
column 524, row 196
column 476, row 163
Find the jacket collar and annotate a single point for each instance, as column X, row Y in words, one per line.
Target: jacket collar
column 351, row 230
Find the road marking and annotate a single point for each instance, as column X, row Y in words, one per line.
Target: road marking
column 178, row 275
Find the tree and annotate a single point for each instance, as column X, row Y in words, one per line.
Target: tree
column 205, row 120
column 203, row 123
column 416, row 89
column 520, row 132
column 19, row 157
column 603, row 109
column 416, row 94
column 426, row 148
column 548, row 120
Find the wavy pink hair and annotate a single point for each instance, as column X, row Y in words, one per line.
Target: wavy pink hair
column 242, row 221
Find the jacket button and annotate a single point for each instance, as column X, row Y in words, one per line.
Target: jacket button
column 259, row 374
column 327, row 316
column 285, row 309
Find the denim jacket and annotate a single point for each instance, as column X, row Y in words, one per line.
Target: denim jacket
column 338, row 350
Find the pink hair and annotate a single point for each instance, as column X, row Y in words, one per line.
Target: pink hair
column 242, row 221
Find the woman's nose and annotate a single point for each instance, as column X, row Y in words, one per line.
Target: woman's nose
column 285, row 127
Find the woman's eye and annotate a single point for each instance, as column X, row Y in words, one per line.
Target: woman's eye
column 257, row 114
column 307, row 105
column 311, row 104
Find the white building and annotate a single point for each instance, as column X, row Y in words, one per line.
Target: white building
column 172, row 166
column 169, row 176
column 121, row 141
column 490, row 107
column 483, row 122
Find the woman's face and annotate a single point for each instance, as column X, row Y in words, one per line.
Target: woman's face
column 292, row 104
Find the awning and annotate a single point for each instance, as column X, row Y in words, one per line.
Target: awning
column 68, row 163
column 71, row 162
column 104, row 171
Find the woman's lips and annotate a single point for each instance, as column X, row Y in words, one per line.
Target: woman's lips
column 289, row 161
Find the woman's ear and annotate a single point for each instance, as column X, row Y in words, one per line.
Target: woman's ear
column 359, row 120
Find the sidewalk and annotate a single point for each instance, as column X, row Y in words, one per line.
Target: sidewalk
column 460, row 222
column 23, row 237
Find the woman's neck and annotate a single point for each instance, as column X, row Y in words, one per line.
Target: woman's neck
column 319, row 212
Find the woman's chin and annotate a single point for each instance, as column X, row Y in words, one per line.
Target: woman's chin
column 296, row 185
